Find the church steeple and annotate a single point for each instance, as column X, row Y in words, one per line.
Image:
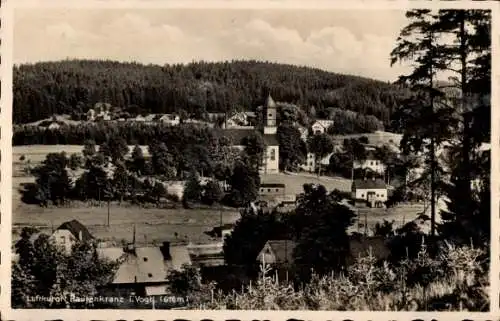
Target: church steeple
column 270, row 110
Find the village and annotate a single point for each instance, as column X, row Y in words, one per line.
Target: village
column 145, row 265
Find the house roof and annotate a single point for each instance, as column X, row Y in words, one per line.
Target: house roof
column 271, row 139
column 179, row 256
column 238, row 134
column 272, row 185
column 75, row 228
column 146, row 264
column 282, row 250
column 325, row 123
column 369, row 184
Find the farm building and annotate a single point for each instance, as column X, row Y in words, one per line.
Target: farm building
column 369, row 191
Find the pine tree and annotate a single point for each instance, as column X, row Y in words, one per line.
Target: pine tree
column 424, row 120
column 470, row 53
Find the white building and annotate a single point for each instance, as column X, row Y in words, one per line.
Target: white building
column 69, row 233
column 371, row 191
column 320, row 126
column 371, row 163
column 170, row 119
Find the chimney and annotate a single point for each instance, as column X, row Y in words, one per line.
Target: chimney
column 80, row 236
column 165, row 250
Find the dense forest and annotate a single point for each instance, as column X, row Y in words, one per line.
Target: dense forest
column 73, row 86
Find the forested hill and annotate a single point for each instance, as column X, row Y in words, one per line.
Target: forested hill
column 73, row 86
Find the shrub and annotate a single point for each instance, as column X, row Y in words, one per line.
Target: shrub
column 452, row 280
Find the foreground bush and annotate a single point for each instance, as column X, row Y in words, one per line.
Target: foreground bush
column 454, row 280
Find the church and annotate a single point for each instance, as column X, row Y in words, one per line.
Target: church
column 270, row 161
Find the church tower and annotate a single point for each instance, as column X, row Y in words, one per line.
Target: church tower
column 270, row 110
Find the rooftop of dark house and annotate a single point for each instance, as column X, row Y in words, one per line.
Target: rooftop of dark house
column 75, row 227
column 367, row 183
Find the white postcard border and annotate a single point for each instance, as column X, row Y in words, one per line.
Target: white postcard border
column 6, row 34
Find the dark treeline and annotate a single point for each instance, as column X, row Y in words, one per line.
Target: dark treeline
column 133, row 133
column 73, row 86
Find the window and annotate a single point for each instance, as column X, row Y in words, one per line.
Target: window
column 270, row 115
column 273, row 154
column 277, row 190
column 262, row 190
column 362, row 195
column 310, row 163
column 150, row 275
column 269, row 190
column 145, row 259
column 371, row 163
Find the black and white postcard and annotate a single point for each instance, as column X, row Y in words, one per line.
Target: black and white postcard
column 237, row 155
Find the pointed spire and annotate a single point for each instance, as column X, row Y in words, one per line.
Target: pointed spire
column 270, row 102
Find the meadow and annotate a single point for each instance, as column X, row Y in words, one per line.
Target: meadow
column 155, row 224
column 36, row 153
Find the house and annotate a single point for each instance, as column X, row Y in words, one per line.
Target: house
column 277, row 252
column 370, row 191
column 244, row 118
column 54, row 126
column 139, row 118
column 150, row 118
column 91, row 115
column 371, row 162
column 320, row 126
column 211, row 254
column 271, row 189
column 170, row 119
column 144, row 270
column 310, row 163
column 69, row 233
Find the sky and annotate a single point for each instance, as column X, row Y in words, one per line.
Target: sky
column 345, row 41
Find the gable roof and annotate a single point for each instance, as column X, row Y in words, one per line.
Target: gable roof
column 238, row 134
column 325, row 123
column 369, row 184
column 179, row 256
column 282, row 250
column 75, row 228
column 146, row 265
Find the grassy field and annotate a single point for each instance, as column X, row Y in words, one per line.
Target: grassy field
column 37, row 153
column 151, row 224
column 294, row 182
